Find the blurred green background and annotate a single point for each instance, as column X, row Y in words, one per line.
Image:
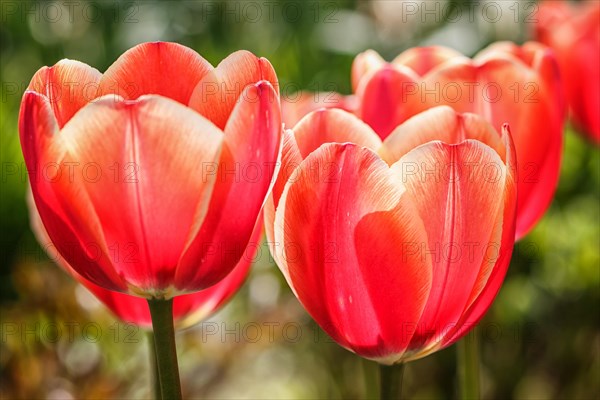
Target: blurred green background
column 540, row 340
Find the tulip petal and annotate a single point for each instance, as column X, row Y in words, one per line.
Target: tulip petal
column 584, row 94
column 187, row 309
column 167, row 69
column 551, row 17
column 333, row 126
column 334, row 221
column 296, row 106
column 541, row 60
column 364, row 64
column 458, row 193
column 423, row 59
column 148, row 157
column 243, row 180
column 78, row 240
column 505, row 220
column 439, row 123
column 198, row 306
column 504, row 89
column 384, row 98
column 316, row 128
column 290, row 160
column 68, row 85
column 488, row 287
column 454, row 83
column 573, row 33
column 539, row 155
column 129, row 308
column 219, row 91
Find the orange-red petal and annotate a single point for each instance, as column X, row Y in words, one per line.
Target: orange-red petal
column 384, row 98
column 136, row 167
column 167, row 69
column 78, row 238
column 68, row 85
column 333, row 225
column 458, row 192
column 216, row 95
column 439, row 123
column 243, row 179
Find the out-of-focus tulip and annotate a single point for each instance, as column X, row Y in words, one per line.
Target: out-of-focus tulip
column 188, row 309
column 504, row 83
column 297, row 105
column 398, row 248
column 138, row 173
column 573, row 32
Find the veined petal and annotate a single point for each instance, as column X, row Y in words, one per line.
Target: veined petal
column 144, row 174
column 129, row 308
column 335, row 222
column 316, row 128
column 243, row 178
column 504, row 89
column 505, row 219
column 217, row 94
column 187, row 309
column 486, row 289
column 79, row 240
column 439, row 123
column 458, row 190
column 68, row 85
column 167, row 69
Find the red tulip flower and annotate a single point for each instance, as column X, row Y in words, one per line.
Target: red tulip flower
column 504, row 83
column 396, row 248
column 149, row 178
column 188, row 309
column 573, row 32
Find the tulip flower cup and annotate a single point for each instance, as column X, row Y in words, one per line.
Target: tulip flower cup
column 137, row 173
column 397, row 247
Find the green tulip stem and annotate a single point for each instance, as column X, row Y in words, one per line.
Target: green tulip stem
column 371, row 378
column 161, row 312
column 468, row 366
column 154, row 379
column 390, row 381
